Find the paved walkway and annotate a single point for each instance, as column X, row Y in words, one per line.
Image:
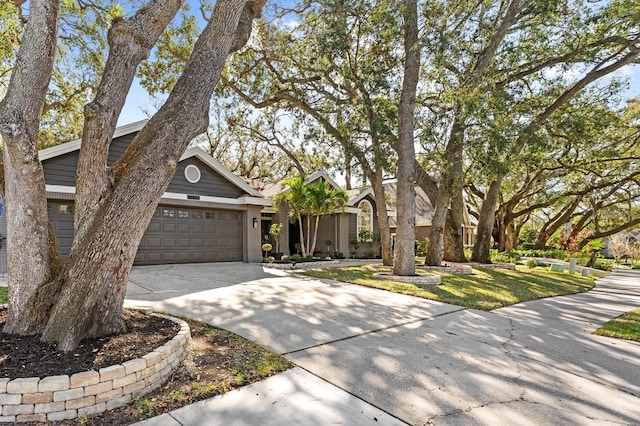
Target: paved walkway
column 370, row 357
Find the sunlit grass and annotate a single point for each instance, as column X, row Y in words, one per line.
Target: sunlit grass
column 626, row 326
column 486, row 289
column 4, row 294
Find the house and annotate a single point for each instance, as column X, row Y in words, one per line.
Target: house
column 207, row 213
column 424, row 215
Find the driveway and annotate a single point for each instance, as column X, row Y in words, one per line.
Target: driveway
column 419, row 361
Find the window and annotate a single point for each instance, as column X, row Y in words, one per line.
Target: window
column 65, row 208
column 365, row 217
column 183, row 214
column 168, row 213
column 192, row 173
column 196, row 214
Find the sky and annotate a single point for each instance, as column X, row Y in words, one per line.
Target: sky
column 138, row 101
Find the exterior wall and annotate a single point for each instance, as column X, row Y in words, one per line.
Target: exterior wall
column 327, row 230
column 61, row 170
column 342, row 242
column 422, row 232
column 252, row 238
column 211, row 183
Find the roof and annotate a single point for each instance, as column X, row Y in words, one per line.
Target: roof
column 201, row 154
column 424, row 209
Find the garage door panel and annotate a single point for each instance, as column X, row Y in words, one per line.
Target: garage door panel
column 153, row 242
column 180, row 235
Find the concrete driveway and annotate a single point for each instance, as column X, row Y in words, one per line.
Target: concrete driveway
column 419, row 361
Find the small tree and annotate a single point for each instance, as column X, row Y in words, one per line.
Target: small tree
column 266, row 248
column 276, row 231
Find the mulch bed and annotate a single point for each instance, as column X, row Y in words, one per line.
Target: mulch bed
column 27, row 356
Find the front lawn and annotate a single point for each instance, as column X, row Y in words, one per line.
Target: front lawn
column 3, row 295
column 626, row 326
column 486, row 289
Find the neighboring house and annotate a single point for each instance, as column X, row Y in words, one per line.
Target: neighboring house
column 424, row 216
column 207, row 213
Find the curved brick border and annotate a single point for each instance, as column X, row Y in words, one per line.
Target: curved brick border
column 415, row 279
column 91, row 392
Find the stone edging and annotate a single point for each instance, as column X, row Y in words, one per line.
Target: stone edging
column 414, row 279
column 91, row 392
column 458, row 269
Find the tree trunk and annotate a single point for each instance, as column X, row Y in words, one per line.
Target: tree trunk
column 405, row 263
column 451, row 178
column 383, row 218
column 303, row 249
column 453, row 244
column 32, row 259
column 482, row 245
column 90, row 290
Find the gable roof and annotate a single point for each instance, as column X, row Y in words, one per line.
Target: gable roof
column 68, row 147
column 198, row 152
column 356, row 195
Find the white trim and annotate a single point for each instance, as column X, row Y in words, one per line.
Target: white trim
column 242, row 201
column 322, row 174
column 353, row 210
column 61, row 188
column 218, row 167
column 363, row 214
column 359, row 197
column 68, row 147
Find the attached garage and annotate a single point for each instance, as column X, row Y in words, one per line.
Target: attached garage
column 188, row 235
column 207, row 213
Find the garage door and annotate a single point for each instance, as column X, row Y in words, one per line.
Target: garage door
column 184, row 235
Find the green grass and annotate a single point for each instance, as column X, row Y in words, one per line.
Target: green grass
column 4, row 294
column 486, row 289
column 626, row 326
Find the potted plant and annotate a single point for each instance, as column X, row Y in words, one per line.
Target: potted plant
column 276, row 230
column 266, row 248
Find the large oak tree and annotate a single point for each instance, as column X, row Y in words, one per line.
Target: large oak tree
column 83, row 296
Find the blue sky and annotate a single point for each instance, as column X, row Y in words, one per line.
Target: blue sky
column 139, row 100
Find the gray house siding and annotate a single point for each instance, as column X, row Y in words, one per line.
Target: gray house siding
column 211, row 183
column 61, row 170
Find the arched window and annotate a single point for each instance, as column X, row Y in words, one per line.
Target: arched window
column 365, row 217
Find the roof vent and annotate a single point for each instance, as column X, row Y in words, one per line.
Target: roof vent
column 192, row 173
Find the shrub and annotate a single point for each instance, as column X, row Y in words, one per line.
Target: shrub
column 531, row 263
column 506, row 257
column 553, row 254
column 285, row 258
column 340, row 255
column 271, row 259
column 309, row 257
column 369, row 254
column 296, row 258
column 323, row 256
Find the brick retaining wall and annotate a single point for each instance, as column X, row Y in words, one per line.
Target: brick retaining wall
column 91, row 392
